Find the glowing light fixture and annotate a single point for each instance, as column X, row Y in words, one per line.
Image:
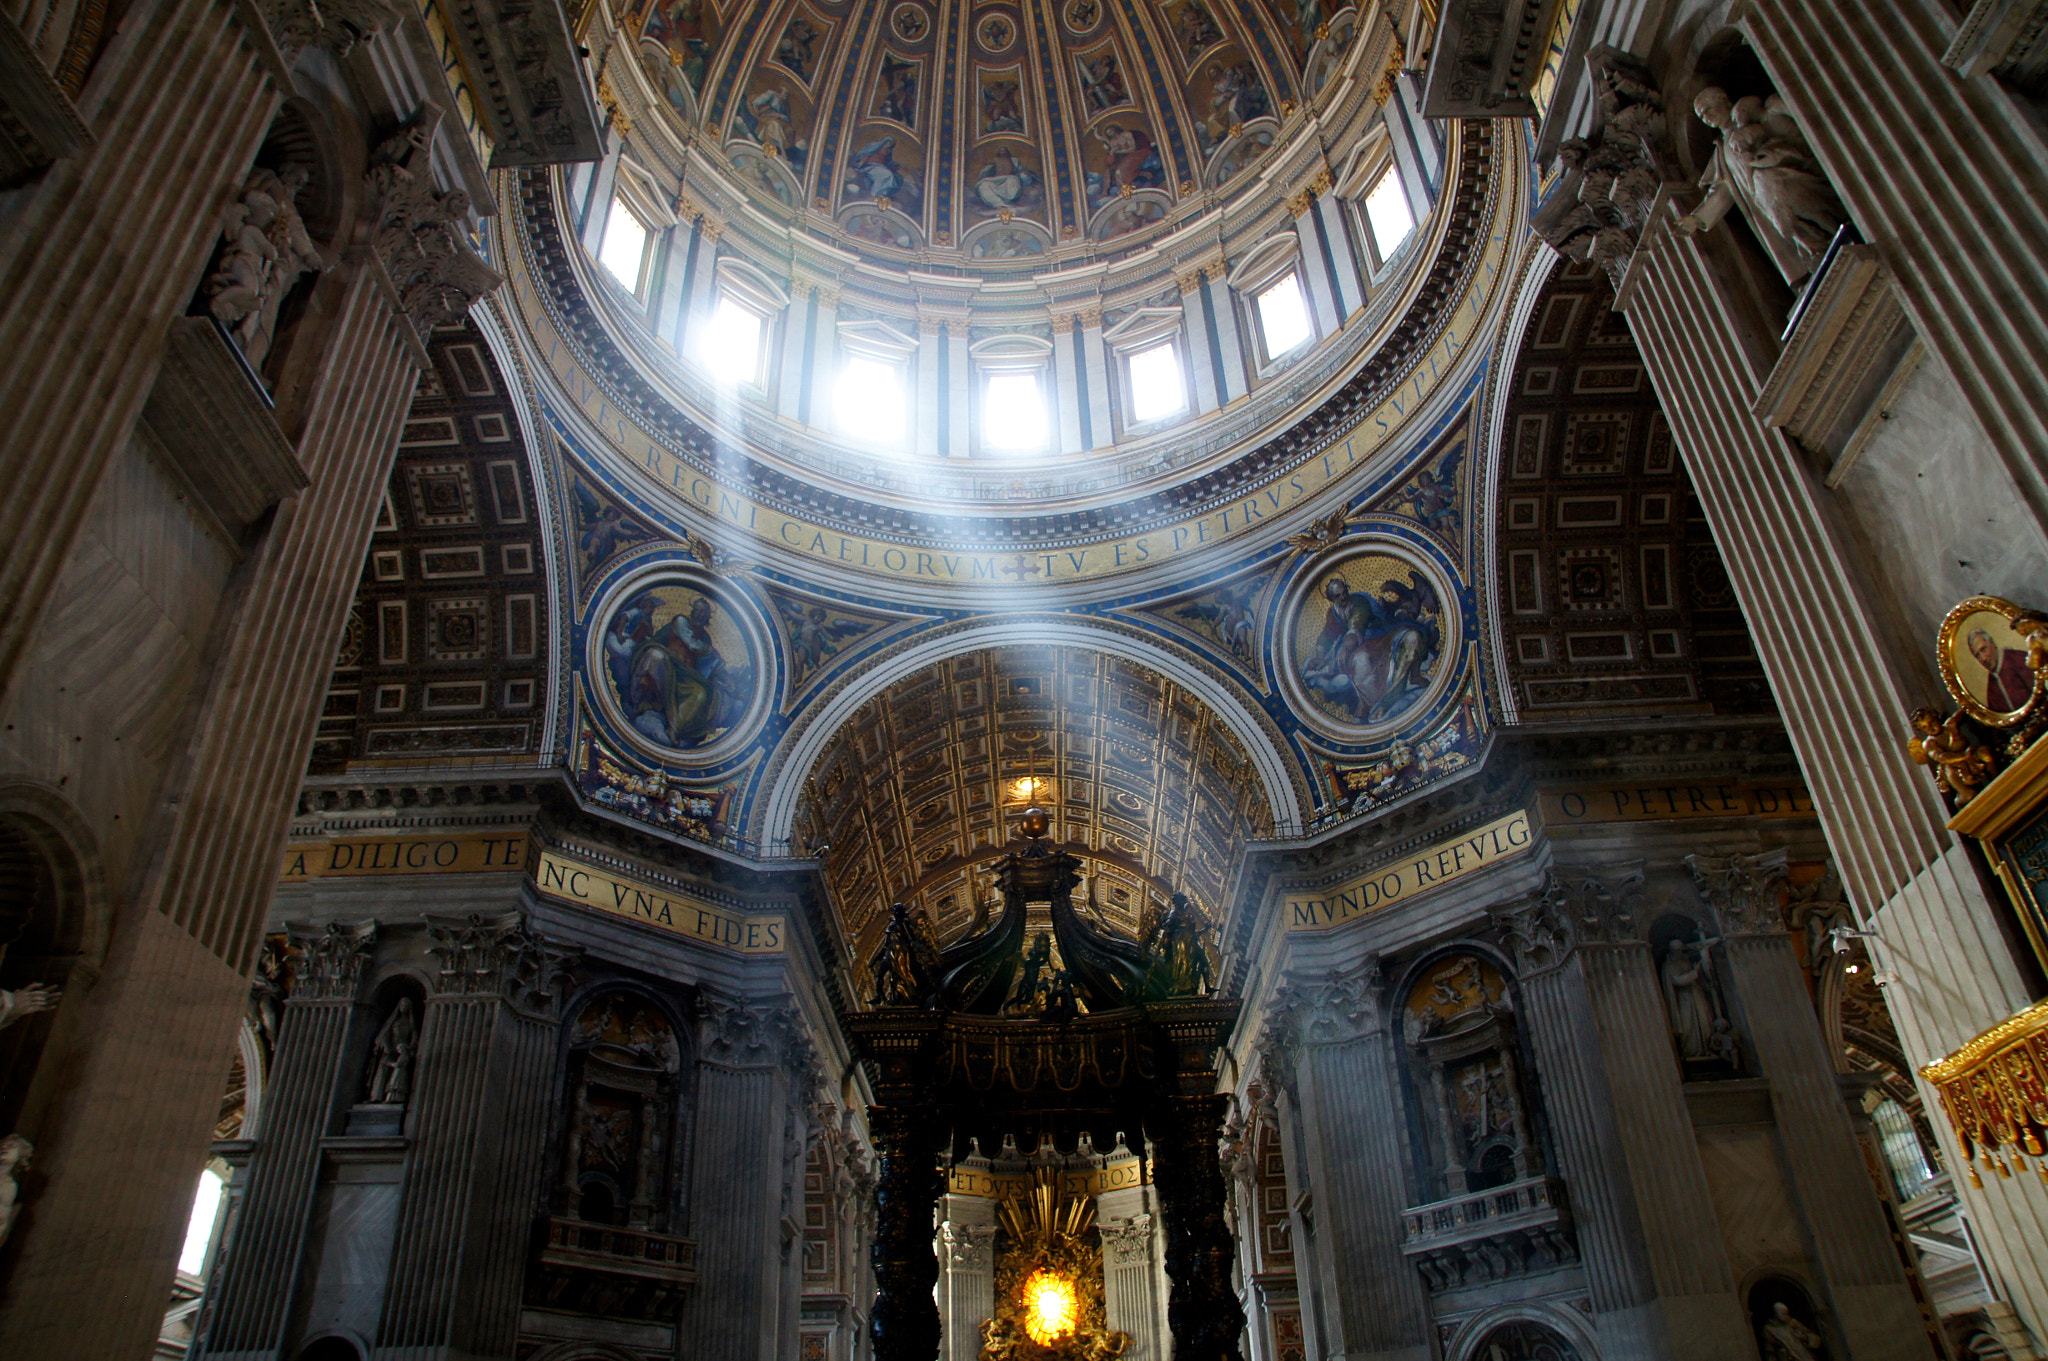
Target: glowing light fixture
column 1030, row 788
column 1051, row 1307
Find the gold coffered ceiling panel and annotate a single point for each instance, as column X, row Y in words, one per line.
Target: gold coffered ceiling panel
column 919, row 792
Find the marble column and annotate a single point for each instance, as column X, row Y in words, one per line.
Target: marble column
column 1100, row 429
column 1134, row 1269
column 824, row 365
column 1851, row 1242
column 794, row 353
column 741, row 1171
column 1687, row 1259
column 251, row 1293
column 1557, row 1008
column 665, row 306
column 967, row 1297
column 703, row 278
column 1345, row 258
column 1792, row 560
column 959, row 371
column 98, row 257
column 478, row 1122
column 1333, row 1045
column 1314, row 263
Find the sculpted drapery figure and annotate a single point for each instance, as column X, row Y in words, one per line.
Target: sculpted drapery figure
column 266, row 249
column 1694, row 1000
column 1764, row 165
column 1787, row 1339
column 396, row 1043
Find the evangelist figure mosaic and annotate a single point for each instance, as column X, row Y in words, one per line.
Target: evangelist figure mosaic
column 680, row 669
column 1370, row 640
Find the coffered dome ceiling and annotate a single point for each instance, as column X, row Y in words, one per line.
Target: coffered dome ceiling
column 998, row 130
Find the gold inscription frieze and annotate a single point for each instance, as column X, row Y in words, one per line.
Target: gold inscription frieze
column 468, row 853
column 1665, row 801
column 554, row 874
column 1119, row 1175
column 1412, row 875
column 650, row 904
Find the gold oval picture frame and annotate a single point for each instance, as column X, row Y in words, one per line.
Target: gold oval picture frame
column 1986, row 651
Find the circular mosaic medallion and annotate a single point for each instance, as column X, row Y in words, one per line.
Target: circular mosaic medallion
column 1081, row 16
column 995, row 33
column 1368, row 638
column 910, row 22
column 681, row 664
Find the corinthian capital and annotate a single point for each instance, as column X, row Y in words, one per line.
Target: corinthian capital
column 1743, row 890
column 497, row 955
column 330, row 958
column 1539, row 927
column 419, row 238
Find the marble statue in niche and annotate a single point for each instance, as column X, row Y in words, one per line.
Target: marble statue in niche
column 1694, row 1002
column 1764, row 165
column 265, row 249
column 24, row 1002
column 18, row 1005
column 15, row 1151
column 1786, row 1323
column 391, row 1057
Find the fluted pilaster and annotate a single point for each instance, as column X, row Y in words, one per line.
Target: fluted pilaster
column 1792, row 562
column 1558, row 1010
column 1354, row 1145
column 252, row 1289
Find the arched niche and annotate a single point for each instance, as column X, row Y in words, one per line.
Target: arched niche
column 1478, row 1120
column 622, row 1153
column 53, row 932
column 1524, row 1340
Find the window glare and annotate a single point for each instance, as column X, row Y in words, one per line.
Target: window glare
column 624, row 246
column 1013, row 412
column 1283, row 316
column 199, row 1229
column 1156, row 386
column 732, row 343
column 1386, row 208
column 868, row 400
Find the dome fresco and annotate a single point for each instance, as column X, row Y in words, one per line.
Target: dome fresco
column 1001, row 132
